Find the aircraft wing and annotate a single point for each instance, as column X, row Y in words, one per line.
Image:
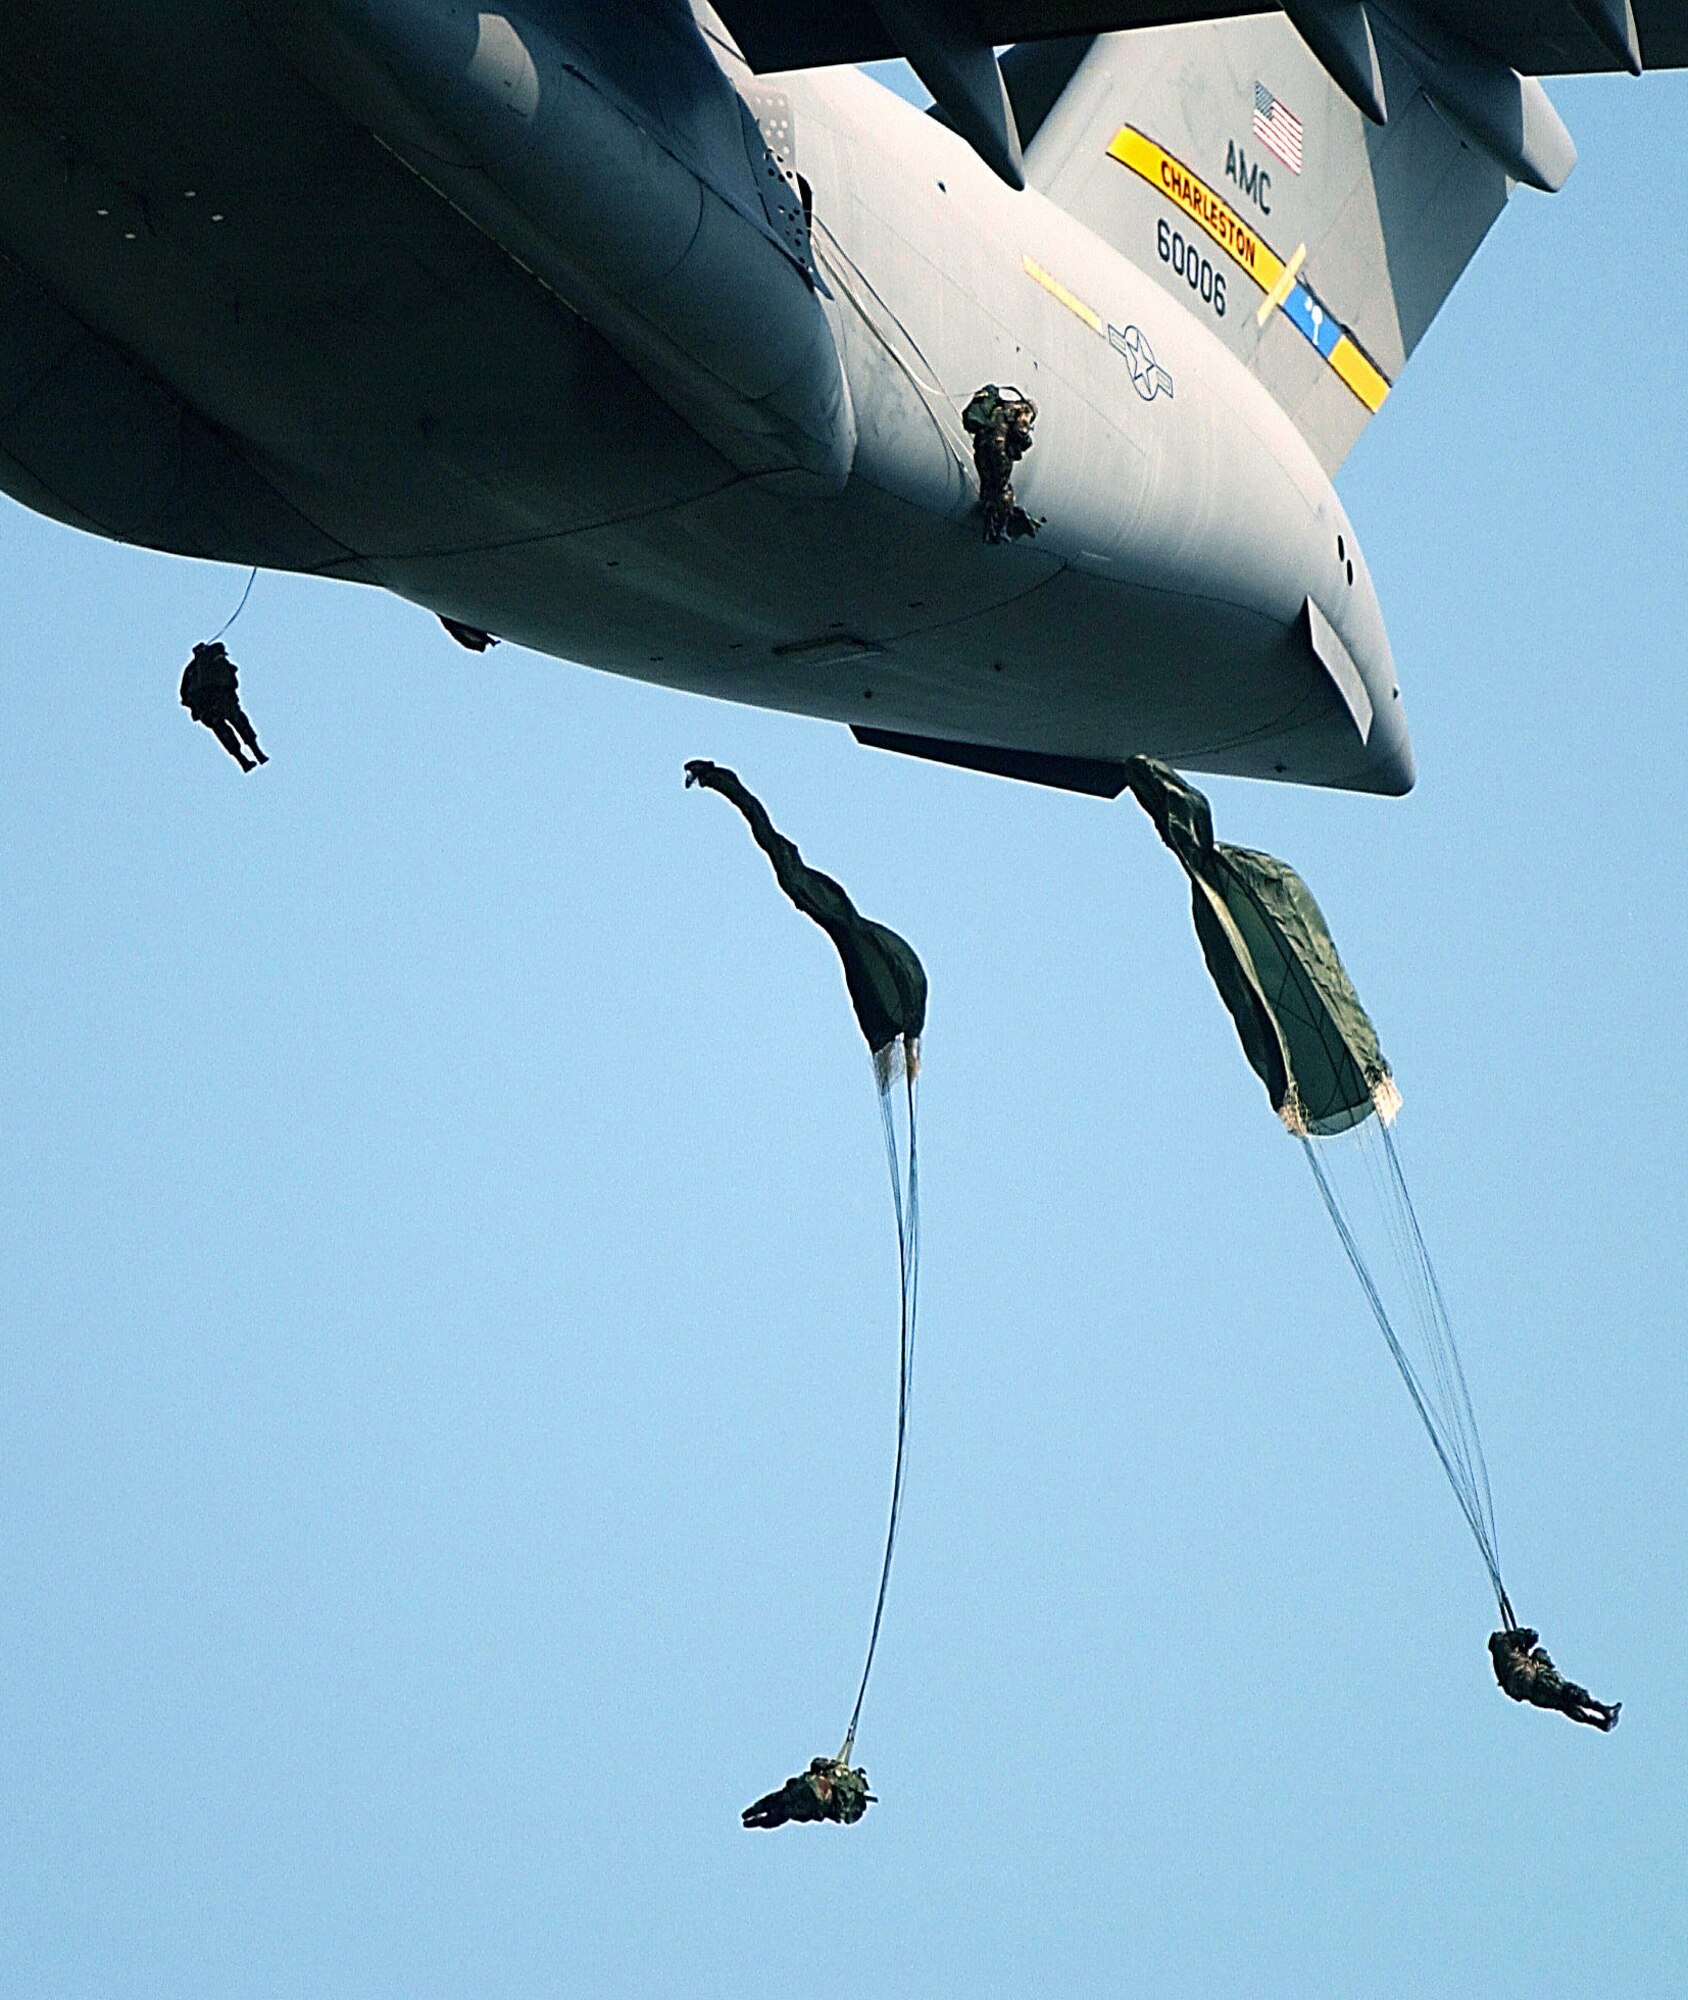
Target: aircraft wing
column 1534, row 37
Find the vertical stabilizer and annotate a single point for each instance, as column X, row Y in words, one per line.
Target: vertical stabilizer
column 1226, row 159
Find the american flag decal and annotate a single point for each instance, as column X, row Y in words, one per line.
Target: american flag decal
column 1276, row 126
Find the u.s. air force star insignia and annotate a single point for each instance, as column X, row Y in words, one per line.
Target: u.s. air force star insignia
column 1148, row 377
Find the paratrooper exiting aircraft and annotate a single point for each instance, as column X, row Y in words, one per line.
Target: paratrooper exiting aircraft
column 642, row 332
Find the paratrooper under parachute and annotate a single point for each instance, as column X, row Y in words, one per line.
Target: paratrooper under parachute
column 887, row 988
column 1312, row 1044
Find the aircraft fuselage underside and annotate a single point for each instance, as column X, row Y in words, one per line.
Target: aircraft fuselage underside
column 521, row 316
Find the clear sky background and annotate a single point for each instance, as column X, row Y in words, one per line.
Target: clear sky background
column 448, row 1299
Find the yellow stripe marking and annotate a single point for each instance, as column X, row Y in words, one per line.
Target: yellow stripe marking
column 1056, row 290
column 1282, row 289
column 1199, row 202
column 1359, row 373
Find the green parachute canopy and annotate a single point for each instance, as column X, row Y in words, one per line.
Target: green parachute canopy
column 887, row 982
column 1270, row 953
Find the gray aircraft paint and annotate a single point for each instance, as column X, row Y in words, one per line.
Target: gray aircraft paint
column 1388, row 217
column 389, row 360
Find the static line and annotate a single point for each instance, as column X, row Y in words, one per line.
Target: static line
column 240, row 607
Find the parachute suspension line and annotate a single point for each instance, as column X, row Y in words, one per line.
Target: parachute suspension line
column 1433, row 1344
column 241, row 606
column 1453, row 1396
column 910, row 1074
column 940, row 406
column 1403, row 1363
column 1459, row 1401
column 884, row 1078
column 1470, row 1494
column 905, row 1199
column 1436, row 1323
column 1439, row 1306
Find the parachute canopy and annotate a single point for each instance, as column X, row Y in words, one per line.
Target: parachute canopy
column 1271, row 956
column 887, row 982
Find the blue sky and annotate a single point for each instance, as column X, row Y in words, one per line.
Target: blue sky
column 448, row 1311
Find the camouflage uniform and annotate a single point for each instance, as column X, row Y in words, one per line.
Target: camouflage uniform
column 829, row 1789
column 210, row 694
column 1000, row 423
column 1527, row 1674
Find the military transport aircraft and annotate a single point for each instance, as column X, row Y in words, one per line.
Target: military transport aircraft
column 640, row 331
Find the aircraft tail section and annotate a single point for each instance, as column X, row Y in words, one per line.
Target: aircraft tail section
column 1223, row 159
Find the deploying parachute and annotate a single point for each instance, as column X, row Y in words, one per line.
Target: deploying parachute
column 1297, row 1014
column 887, row 987
column 1312, row 1044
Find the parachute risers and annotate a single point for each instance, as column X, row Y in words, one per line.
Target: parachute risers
column 1309, row 1040
column 896, row 1058
column 887, row 988
column 1386, row 1100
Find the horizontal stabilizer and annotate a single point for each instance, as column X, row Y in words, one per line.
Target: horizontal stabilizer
column 1533, row 37
column 1339, row 33
column 1613, row 21
column 950, row 55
